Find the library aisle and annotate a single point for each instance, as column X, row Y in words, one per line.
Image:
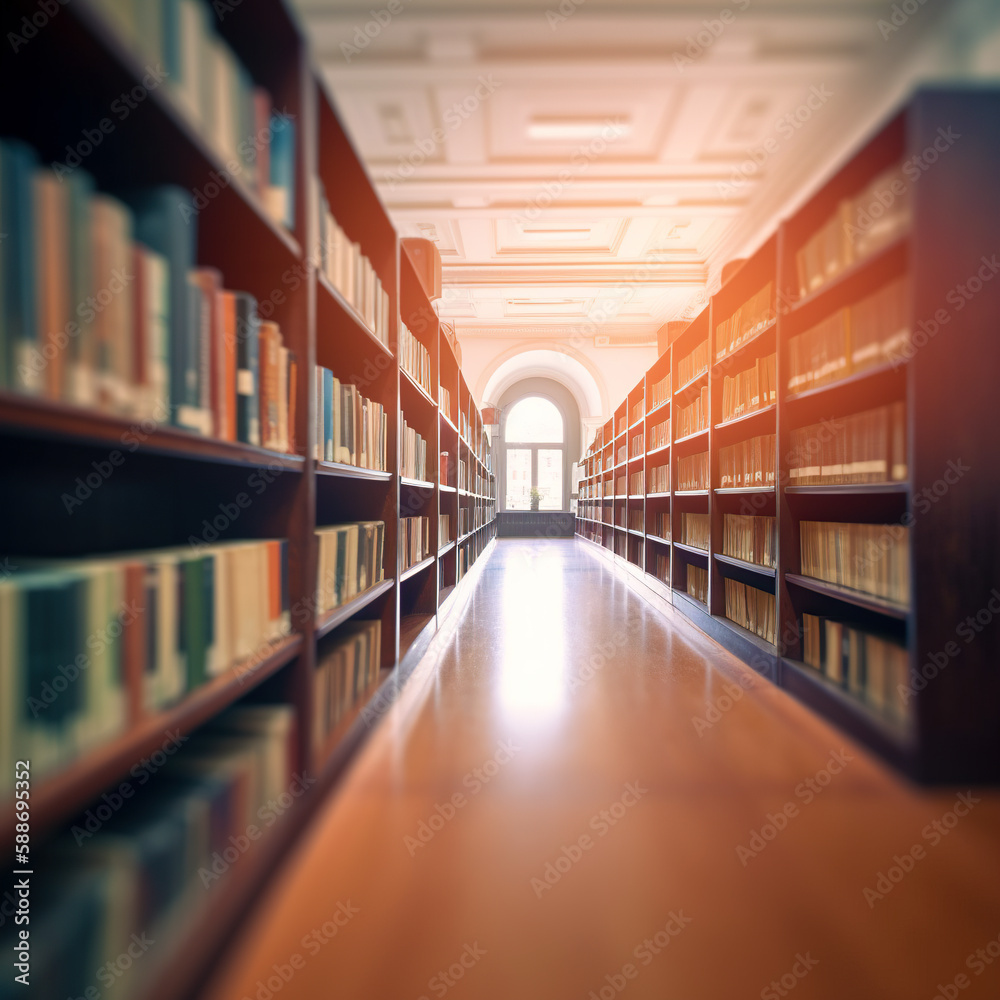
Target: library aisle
column 583, row 796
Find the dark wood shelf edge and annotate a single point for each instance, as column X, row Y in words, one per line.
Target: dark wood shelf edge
column 857, row 598
column 340, row 615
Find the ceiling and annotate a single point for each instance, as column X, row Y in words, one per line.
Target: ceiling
column 586, row 167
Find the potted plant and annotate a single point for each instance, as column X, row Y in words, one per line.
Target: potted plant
column 536, row 497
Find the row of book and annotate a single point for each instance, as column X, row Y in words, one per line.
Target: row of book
column 636, row 446
column 661, row 567
column 349, row 562
column 620, row 484
column 89, row 647
column 750, row 537
column 873, row 668
column 621, row 546
column 621, row 454
column 129, row 872
column 350, row 429
column 659, row 392
column 102, row 306
column 871, row 558
column 345, row 267
column 412, row 453
column 659, row 435
column 693, row 417
column 620, row 517
column 692, row 472
column 750, row 390
column 746, row 323
column 752, row 609
column 868, row 447
column 237, row 119
column 415, row 360
column 444, row 401
column 444, row 530
column 636, row 412
column 660, row 525
column 748, row 463
column 871, row 332
column 659, row 479
column 622, row 425
column 859, row 226
column 347, row 667
column 696, row 582
column 694, row 364
column 636, row 483
column 415, row 539
column 696, row 530
column 636, row 521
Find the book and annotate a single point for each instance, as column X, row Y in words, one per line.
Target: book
column 695, row 530
column 692, row 472
column 751, row 608
column 697, row 582
column 750, row 537
column 350, row 560
column 748, row 464
column 750, row 390
column 693, row 364
column 693, row 417
column 747, row 322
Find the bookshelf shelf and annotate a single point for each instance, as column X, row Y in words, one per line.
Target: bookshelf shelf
column 446, row 548
column 696, row 436
column 854, row 597
column 637, row 534
column 658, row 408
column 66, row 791
column 658, row 539
column 351, row 472
column 848, row 489
column 890, row 258
column 768, row 571
column 754, row 416
column 895, row 413
column 658, row 451
column 691, row 550
column 444, row 488
column 757, row 338
column 416, row 484
column 424, row 564
column 413, row 384
column 331, row 619
column 73, row 425
column 350, row 313
column 99, row 33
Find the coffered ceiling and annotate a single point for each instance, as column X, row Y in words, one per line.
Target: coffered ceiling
column 586, row 167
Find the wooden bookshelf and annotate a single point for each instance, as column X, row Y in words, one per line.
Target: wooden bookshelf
column 953, row 733
column 173, row 478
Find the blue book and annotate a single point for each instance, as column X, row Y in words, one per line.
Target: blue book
column 282, row 155
column 247, row 369
column 327, row 403
column 166, row 221
column 18, row 307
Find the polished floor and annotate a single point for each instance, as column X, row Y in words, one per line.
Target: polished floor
column 584, row 797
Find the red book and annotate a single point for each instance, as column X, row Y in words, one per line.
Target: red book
column 209, row 280
column 229, row 336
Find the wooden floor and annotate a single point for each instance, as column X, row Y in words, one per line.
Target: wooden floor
column 542, row 815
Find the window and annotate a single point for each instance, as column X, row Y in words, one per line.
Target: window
column 534, row 443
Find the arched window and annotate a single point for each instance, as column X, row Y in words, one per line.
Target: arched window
column 534, row 439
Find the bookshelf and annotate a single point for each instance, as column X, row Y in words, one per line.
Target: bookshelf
column 168, row 488
column 890, row 251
